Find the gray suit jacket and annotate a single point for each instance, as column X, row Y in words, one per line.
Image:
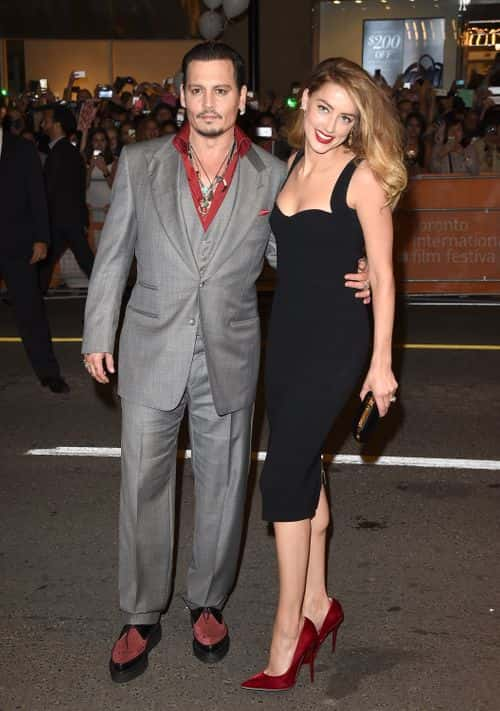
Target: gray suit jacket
column 171, row 301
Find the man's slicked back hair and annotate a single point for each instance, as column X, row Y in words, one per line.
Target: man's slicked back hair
column 210, row 51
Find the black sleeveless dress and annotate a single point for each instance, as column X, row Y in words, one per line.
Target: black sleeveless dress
column 318, row 343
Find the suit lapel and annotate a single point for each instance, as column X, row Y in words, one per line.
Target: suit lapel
column 252, row 180
column 164, row 169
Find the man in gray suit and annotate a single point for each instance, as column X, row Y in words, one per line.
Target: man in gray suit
column 193, row 210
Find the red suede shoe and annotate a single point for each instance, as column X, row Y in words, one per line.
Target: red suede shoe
column 129, row 657
column 304, row 654
column 210, row 634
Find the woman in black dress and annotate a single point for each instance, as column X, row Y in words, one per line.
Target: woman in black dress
column 335, row 205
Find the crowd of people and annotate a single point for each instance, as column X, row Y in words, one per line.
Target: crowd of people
column 441, row 133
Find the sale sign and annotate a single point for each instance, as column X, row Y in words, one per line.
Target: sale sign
column 393, row 45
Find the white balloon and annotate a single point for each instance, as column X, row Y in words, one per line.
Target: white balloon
column 211, row 25
column 233, row 8
column 212, row 4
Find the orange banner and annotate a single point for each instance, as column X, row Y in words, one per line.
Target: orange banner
column 447, row 236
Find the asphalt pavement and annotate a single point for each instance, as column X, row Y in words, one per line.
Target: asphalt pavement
column 413, row 558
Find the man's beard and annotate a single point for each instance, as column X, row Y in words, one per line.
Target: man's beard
column 210, row 132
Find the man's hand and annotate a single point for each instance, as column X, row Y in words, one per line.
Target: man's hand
column 360, row 281
column 39, row 252
column 98, row 365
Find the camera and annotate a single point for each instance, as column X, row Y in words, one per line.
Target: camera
column 407, row 85
column 105, row 92
column 264, row 132
column 180, row 116
column 43, row 85
column 96, row 153
column 80, row 74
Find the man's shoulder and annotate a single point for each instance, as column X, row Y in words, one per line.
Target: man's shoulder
column 20, row 147
column 147, row 149
column 269, row 161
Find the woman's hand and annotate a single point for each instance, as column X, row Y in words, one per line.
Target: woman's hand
column 360, row 281
column 383, row 385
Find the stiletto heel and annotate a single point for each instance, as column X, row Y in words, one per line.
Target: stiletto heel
column 311, row 665
column 334, row 637
column 304, row 654
column 333, row 619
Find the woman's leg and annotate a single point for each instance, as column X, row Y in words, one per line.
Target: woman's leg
column 292, row 545
column 316, row 602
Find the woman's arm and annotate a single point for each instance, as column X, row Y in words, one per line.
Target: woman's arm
column 375, row 218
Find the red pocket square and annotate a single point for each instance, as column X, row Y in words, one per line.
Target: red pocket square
column 264, row 212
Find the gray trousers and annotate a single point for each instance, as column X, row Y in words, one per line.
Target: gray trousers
column 220, row 457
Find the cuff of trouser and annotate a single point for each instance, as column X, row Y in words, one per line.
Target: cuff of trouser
column 196, row 605
column 143, row 618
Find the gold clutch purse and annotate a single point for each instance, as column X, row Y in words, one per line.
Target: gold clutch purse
column 366, row 419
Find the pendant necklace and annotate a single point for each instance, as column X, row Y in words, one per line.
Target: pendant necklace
column 208, row 191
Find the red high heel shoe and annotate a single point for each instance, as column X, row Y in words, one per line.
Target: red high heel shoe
column 331, row 623
column 306, row 646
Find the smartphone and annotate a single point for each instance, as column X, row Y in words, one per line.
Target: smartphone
column 179, row 118
column 407, row 85
column 43, row 85
column 264, row 132
column 467, row 96
column 96, row 153
column 105, row 92
column 460, row 82
column 80, row 74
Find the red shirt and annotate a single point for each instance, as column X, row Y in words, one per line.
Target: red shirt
column 181, row 143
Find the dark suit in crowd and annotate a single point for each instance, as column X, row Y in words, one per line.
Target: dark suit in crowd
column 24, row 221
column 66, row 184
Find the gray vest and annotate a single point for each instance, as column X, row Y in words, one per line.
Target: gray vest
column 204, row 243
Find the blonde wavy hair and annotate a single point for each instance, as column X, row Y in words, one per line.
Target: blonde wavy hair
column 377, row 133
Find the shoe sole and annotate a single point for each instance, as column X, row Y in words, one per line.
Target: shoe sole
column 211, row 656
column 122, row 676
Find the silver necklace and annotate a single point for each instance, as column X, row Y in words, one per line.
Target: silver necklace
column 208, row 191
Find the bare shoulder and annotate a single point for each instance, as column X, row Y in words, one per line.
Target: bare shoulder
column 365, row 186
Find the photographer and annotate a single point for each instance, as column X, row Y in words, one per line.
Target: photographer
column 147, row 128
column 127, row 133
column 101, row 168
column 454, row 154
column 416, row 152
column 488, row 146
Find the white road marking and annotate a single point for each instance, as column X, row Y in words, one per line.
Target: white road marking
column 356, row 459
